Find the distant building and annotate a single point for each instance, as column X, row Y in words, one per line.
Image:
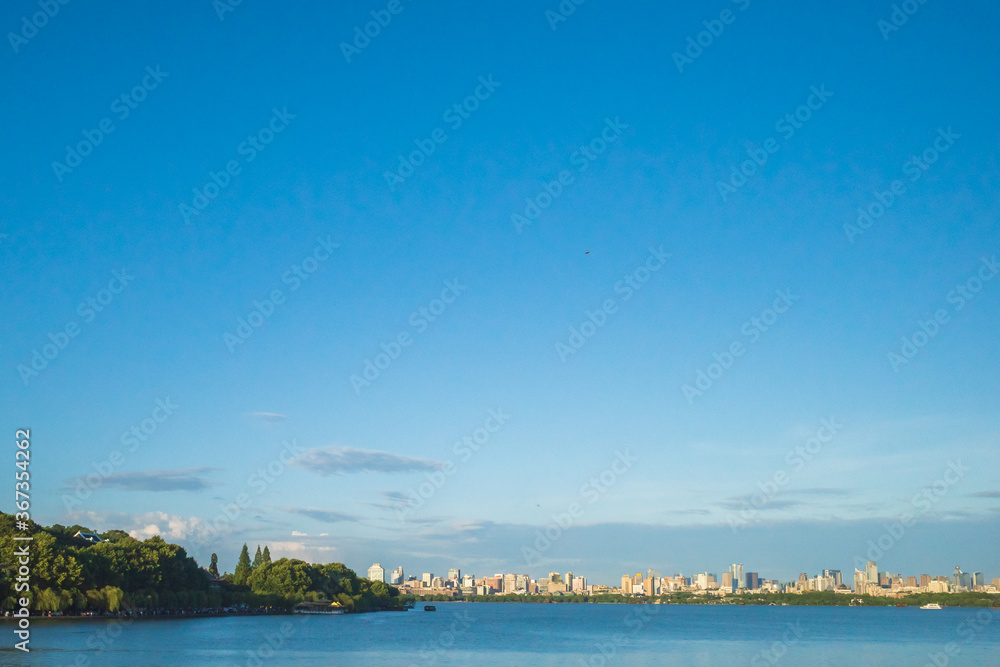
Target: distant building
column 727, row 581
column 753, row 581
column 736, row 569
column 925, row 581
column 837, row 577
column 93, row 538
column 871, row 572
column 437, row 582
column 397, row 576
column 454, row 573
column 626, row 585
column 568, row 580
column 427, row 578
column 376, row 573
column 977, row 579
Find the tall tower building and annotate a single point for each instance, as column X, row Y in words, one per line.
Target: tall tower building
column 376, row 573
column 397, row 576
column 736, row 570
column 871, row 571
column 455, row 574
column 626, row 585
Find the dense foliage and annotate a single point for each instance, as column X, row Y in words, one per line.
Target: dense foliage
column 71, row 575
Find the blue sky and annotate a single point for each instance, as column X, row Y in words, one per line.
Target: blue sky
column 309, row 216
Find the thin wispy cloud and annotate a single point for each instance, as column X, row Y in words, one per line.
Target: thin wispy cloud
column 342, row 460
column 269, row 417
column 326, row 516
column 182, row 479
column 986, row 494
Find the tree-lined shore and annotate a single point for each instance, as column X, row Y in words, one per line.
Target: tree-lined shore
column 71, row 576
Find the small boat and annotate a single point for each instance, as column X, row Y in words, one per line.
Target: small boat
column 430, row 607
column 932, row 605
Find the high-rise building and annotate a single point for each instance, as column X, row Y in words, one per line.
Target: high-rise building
column 736, row 570
column 727, row 581
column 871, row 572
column 522, row 582
column 454, row 573
column 568, row 580
column 977, row 579
column 376, row 573
column 427, row 578
column 509, row 583
column 925, row 581
column 437, row 582
column 753, row 581
column 837, row 577
column 579, row 583
column 637, row 579
column 397, row 576
column 626, row 585
column 958, row 577
column 860, row 580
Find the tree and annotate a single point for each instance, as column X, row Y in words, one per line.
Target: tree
column 214, row 567
column 257, row 559
column 266, row 556
column 243, row 567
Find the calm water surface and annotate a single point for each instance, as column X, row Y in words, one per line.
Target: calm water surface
column 533, row 634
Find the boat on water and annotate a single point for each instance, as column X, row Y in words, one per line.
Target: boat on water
column 932, row 605
column 430, row 607
column 324, row 608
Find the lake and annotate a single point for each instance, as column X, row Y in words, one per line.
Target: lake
column 532, row 634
